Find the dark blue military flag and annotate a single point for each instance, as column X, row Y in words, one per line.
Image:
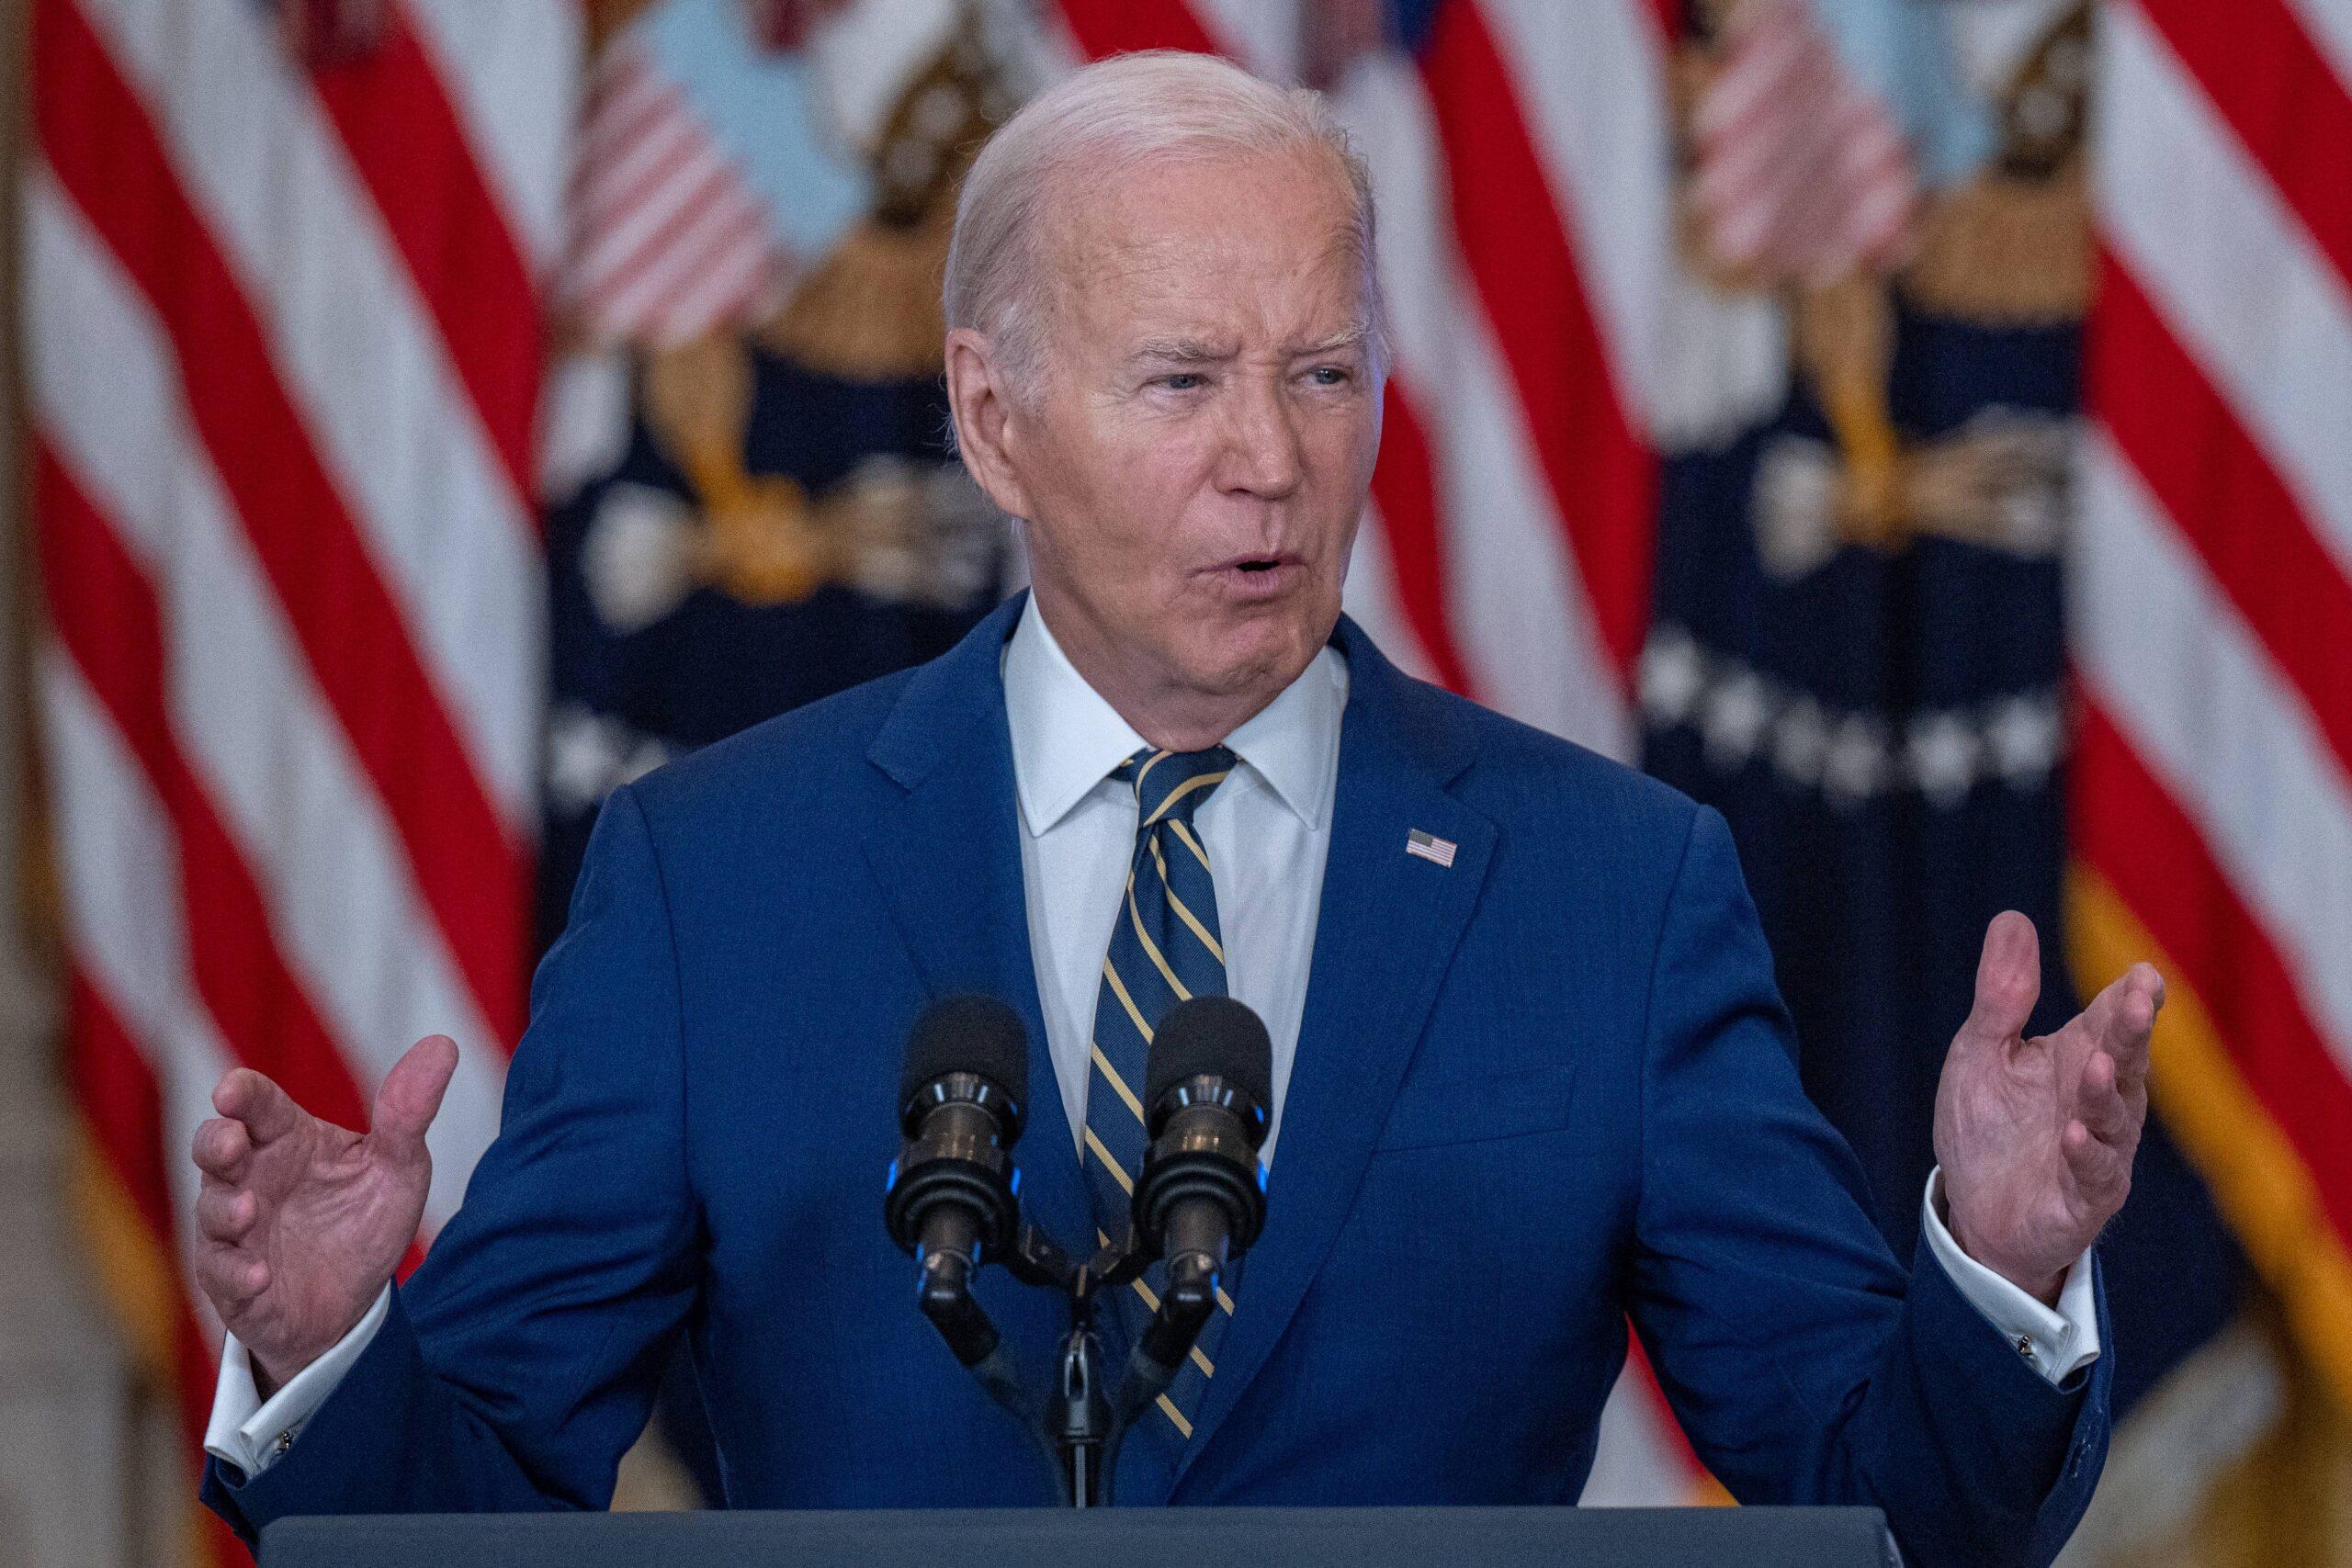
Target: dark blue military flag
column 1857, row 656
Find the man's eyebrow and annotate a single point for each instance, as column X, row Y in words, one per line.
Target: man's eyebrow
column 1199, row 351
column 1351, row 337
column 1181, row 350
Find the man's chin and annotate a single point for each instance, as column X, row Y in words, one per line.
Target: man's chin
column 1252, row 655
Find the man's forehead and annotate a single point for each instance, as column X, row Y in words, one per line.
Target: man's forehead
column 1170, row 217
column 1189, row 261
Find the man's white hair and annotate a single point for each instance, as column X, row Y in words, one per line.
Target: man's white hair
column 1105, row 118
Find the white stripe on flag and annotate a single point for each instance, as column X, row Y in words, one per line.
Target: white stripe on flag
column 1590, row 80
column 511, row 68
column 1371, row 598
column 2235, row 275
column 1514, row 598
column 2215, row 722
column 398, row 433
column 122, row 922
column 249, row 721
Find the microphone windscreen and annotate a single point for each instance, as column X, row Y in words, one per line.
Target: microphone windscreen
column 967, row 1035
column 1213, row 1035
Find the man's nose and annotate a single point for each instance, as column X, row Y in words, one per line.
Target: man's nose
column 1261, row 450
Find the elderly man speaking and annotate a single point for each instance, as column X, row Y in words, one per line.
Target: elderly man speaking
column 1530, row 1074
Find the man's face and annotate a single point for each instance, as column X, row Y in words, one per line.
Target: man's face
column 1195, row 454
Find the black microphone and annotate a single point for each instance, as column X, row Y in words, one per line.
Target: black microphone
column 1201, row 1200
column 953, row 1191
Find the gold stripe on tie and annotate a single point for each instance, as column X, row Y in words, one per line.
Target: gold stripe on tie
column 1126, row 1184
column 1151, row 948
column 1145, row 772
column 1216, row 948
column 1118, row 1083
column 1198, row 781
column 1191, row 843
column 1168, row 1408
column 1119, row 988
column 1225, row 1301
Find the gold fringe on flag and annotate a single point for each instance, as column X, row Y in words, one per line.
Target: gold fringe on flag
column 2287, row 1502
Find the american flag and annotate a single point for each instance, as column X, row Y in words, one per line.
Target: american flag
column 284, row 284
column 1800, row 173
column 1429, row 847
column 668, row 240
column 2210, row 609
column 285, row 333
column 1518, row 152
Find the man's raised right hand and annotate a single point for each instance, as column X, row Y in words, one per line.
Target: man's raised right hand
column 300, row 1223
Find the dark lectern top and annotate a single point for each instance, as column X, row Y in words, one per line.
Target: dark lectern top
column 1134, row 1538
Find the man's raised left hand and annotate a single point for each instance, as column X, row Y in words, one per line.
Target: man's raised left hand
column 2035, row 1135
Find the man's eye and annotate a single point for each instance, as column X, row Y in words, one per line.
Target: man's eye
column 1182, row 381
column 1330, row 375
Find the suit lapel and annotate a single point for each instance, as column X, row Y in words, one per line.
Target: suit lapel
column 1387, row 930
column 947, row 855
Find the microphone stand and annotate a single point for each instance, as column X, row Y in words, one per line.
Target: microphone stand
column 1080, row 1425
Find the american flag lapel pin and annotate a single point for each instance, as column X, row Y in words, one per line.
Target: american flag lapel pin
column 1429, row 847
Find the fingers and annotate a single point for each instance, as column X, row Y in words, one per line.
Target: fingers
column 2100, row 1169
column 411, row 1095
column 2139, row 996
column 229, row 1278
column 2101, row 1105
column 222, row 1148
column 225, row 1213
column 267, row 1110
column 229, row 1274
column 2009, row 980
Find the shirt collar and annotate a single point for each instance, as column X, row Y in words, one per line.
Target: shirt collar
column 1067, row 738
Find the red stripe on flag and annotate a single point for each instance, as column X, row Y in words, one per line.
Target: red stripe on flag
column 2129, row 829
column 1514, row 244
column 661, row 248
column 611, row 199
column 1404, row 487
column 624, row 105
column 2281, row 97
column 472, row 874
column 404, row 136
column 2221, row 493
column 116, row 1089
column 105, row 614
column 1118, row 27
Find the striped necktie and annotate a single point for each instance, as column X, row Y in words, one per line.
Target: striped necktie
column 1165, row 948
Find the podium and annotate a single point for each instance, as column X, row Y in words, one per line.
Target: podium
column 1134, row 1538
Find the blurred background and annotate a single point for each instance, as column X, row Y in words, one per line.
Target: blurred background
column 1921, row 428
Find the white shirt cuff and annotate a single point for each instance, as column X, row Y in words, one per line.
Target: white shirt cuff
column 250, row 1434
column 2056, row 1343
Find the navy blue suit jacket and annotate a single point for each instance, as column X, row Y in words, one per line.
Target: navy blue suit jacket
column 1537, row 1090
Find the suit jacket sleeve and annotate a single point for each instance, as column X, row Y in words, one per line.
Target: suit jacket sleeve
column 1800, row 1363
column 518, row 1363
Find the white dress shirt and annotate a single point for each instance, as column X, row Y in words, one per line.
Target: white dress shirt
column 1267, row 830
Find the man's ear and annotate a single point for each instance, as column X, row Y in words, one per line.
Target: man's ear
column 979, row 400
